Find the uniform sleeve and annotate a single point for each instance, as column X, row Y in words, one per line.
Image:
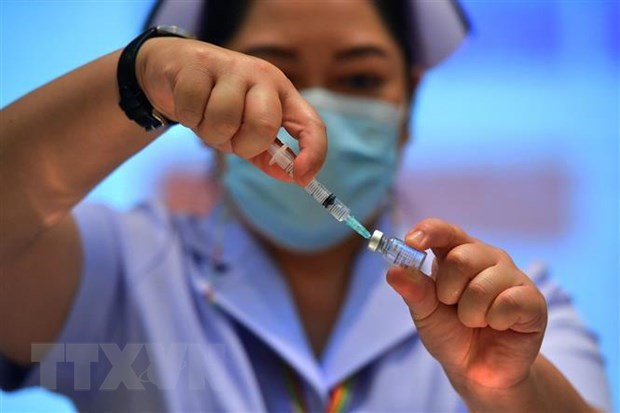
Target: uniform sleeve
column 570, row 345
column 91, row 312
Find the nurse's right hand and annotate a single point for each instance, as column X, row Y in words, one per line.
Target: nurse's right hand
column 233, row 102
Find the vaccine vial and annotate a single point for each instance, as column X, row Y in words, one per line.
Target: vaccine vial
column 395, row 251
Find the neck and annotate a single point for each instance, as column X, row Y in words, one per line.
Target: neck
column 318, row 283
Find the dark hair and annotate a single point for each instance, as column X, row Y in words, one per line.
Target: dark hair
column 222, row 18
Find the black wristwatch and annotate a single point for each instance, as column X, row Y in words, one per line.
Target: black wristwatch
column 133, row 100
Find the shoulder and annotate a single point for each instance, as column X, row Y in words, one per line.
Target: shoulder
column 140, row 238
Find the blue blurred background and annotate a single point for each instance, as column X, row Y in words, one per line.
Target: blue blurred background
column 527, row 111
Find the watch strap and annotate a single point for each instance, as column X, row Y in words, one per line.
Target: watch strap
column 133, row 101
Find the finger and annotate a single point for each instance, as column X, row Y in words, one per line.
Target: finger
column 417, row 290
column 521, row 309
column 434, row 269
column 458, row 267
column 261, row 120
column 481, row 292
column 223, row 112
column 225, row 147
column 191, row 94
column 303, row 123
column 437, row 234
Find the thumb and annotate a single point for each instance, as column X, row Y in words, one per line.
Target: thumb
column 417, row 289
column 303, row 123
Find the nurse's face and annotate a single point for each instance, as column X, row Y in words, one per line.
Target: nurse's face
column 343, row 46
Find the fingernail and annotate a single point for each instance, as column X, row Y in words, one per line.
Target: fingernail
column 416, row 238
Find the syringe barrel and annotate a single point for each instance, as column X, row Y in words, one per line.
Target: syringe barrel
column 328, row 200
column 284, row 159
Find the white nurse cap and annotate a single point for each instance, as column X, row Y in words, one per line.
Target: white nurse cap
column 439, row 26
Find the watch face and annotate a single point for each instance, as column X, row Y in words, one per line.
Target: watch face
column 173, row 31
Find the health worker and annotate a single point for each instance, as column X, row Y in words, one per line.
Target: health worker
column 267, row 304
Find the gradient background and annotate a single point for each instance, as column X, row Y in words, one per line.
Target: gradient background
column 516, row 136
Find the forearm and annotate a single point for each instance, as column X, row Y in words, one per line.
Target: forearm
column 545, row 390
column 56, row 144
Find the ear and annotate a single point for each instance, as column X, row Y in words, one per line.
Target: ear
column 415, row 78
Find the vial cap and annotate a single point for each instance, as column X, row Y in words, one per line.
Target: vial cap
column 374, row 240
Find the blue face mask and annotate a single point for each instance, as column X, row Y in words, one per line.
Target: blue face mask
column 360, row 167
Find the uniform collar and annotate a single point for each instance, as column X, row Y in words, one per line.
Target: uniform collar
column 253, row 292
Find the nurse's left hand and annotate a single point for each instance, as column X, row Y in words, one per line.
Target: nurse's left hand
column 478, row 314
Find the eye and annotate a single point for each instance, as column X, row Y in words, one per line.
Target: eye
column 362, row 82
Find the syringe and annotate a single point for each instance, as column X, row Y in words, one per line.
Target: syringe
column 394, row 250
column 281, row 156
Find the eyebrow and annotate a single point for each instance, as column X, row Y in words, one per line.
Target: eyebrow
column 356, row 52
column 359, row 52
column 271, row 51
